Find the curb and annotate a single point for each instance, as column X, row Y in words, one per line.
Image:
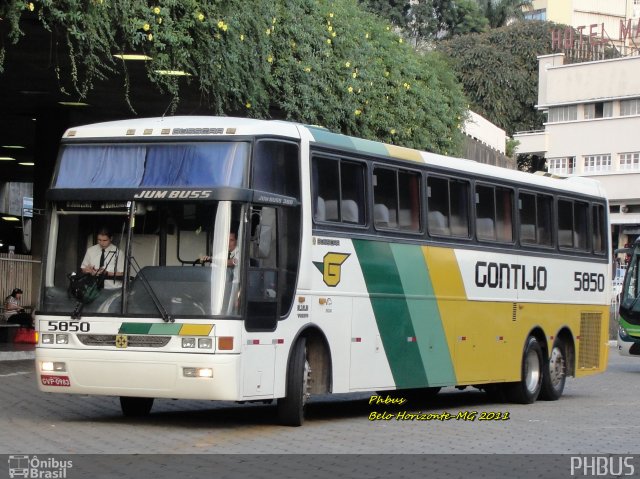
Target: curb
column 16, row 355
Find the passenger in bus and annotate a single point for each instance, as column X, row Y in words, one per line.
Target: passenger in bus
column 104, row 258
column 14, row 312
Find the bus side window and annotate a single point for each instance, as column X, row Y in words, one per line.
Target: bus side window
column 385, row 198
column 485, row 213
column 409, row 193
column 276, row 168
column 459, row 200
column 573, row 224
column 536, row 215
column 262, row 276
column 528, row 221
column 599, row 231
column 544, row 219
column 339, row 189
column 438, row 206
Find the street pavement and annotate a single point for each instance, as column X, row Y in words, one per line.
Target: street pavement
column 595, row 416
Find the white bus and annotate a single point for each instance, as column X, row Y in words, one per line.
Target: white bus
column 359, row 266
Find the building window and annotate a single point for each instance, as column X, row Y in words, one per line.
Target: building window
column 539, row 14
column 594, row 163
column 563, row 113
column 630, row 107
column 630, row 161
column 598, row 110
column 562, row 166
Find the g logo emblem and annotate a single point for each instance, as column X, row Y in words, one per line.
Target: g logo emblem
column 331, row 268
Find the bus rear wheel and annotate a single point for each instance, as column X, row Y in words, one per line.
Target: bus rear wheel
column 555, row 373
column 135, row 407
column 291, row 408
column 528, row 388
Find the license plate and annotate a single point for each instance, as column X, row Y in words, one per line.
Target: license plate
column 56, row 381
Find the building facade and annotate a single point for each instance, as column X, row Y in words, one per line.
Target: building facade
column 615, row 21
column 592, row 129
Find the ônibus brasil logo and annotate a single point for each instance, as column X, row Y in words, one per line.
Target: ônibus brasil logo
column 35, row 468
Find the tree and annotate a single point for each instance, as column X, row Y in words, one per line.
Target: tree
column 424, row 21
column 394, row 11
column 341, row 67
column 500, row 12
column 499, row 72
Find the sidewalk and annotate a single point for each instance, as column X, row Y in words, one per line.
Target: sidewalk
column 14, row 352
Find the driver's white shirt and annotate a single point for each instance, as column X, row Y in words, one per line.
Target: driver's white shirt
column 112, row 256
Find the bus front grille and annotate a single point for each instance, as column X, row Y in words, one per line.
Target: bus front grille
column 589, row 351
column 142, row 341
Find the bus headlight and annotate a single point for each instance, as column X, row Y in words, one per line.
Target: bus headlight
column 205, row 343
column 62, row 339
column 188, row 342
column 623, row 334
column 47, row 338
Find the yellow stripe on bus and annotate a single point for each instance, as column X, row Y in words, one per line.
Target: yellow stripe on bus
column 196, row 329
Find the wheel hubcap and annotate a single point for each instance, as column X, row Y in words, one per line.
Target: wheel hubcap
column 532, row 371
column 556, row 367
column 305, row 382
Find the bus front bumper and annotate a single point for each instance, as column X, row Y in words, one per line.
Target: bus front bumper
column 132, row 373
column 628, row 345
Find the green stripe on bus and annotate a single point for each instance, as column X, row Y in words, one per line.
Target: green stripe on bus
column 134, row 328
column 371, row 147
column 391, row 312
column 165, row 329
column 425, row 316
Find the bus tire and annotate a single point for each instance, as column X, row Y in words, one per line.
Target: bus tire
column 135, row 407
column 526, row 390
column 291, row 408
column 555, row 373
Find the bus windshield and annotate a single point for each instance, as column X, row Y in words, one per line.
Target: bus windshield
column 153, row 165
column 160, row 258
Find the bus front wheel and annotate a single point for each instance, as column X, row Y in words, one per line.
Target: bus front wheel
column 135, row 407
column 291, row 407
column 555, row 373
column 528, row 388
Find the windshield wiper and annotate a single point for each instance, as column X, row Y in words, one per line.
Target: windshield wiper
column 166, row 317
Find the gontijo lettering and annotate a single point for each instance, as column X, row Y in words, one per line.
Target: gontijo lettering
column 510, row 276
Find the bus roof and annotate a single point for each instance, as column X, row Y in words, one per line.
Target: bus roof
column 216, row 126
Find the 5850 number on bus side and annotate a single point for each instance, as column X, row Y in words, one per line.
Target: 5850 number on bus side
column 588, row 281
